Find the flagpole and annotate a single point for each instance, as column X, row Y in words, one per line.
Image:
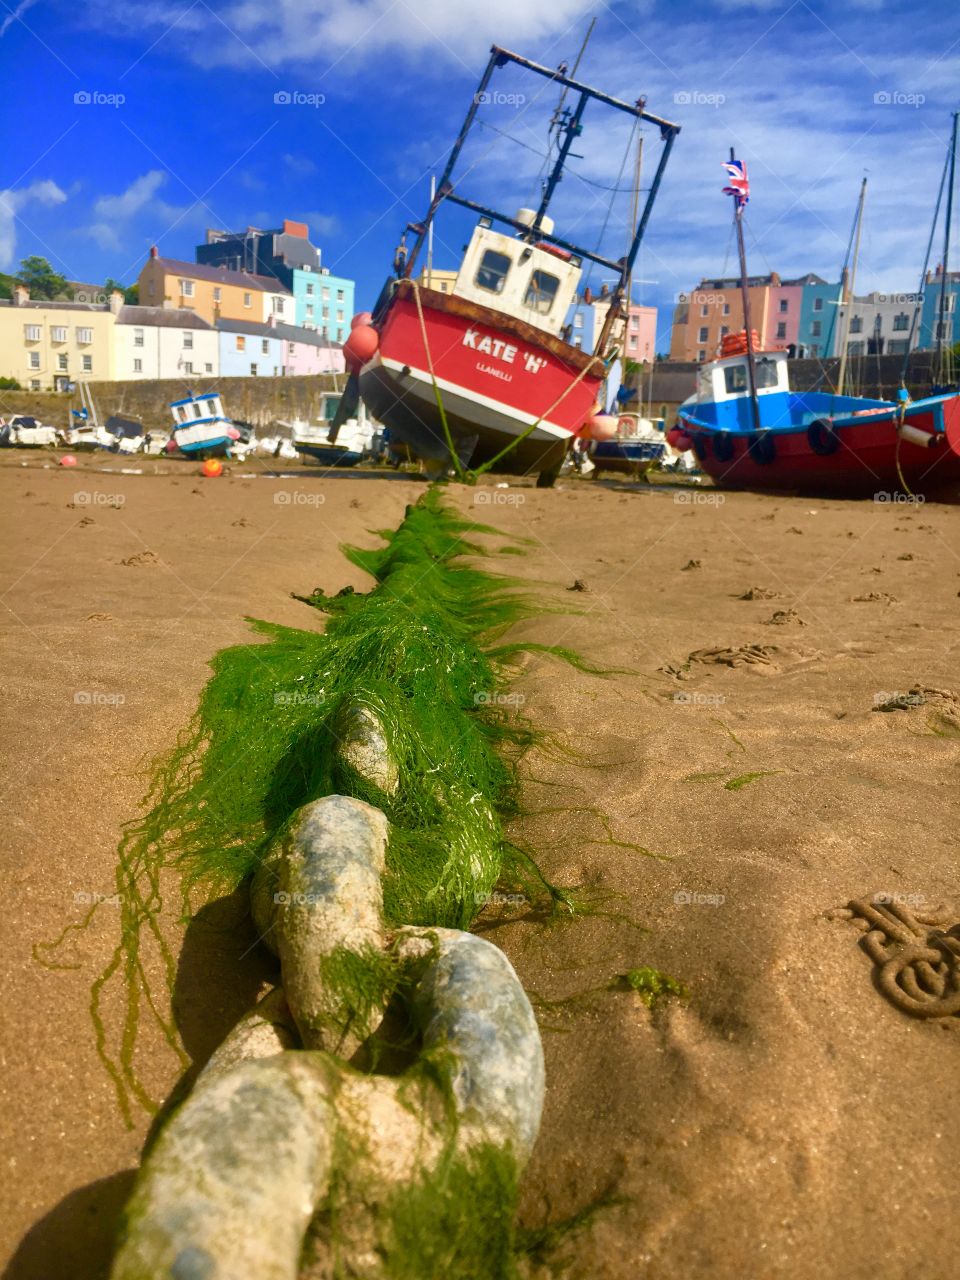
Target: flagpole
column 745, row 293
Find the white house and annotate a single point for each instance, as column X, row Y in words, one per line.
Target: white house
column 163, row 342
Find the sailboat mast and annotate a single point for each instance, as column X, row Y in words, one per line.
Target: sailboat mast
column 745, row 295
column 942, row 303
column 852, row 286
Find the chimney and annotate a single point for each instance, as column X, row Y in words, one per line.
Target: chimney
column 21, row 294
column 845, row 285
column 116, row 301
column 153, row 251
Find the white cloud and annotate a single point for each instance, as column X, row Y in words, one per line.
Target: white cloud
column 113, row 214
column 15, row 15
column 43, row 191
column 299, row 164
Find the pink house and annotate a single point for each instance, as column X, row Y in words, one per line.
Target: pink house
column 782, row 327
column 640, row 343
column 305, row 351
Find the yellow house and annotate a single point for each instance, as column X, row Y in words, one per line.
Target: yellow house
column 440, row 279
column 46, row 345
column 214, row 293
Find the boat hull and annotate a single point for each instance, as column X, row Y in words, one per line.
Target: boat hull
column 632, row 457
column 496, row 377
column 867, row 462
column 328, row 455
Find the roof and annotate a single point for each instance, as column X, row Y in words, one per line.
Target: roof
column 165, row 317
column 55, row 304
column 282, row 332
column 220, row 275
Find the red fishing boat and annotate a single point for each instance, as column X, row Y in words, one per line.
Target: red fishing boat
column 485, row 373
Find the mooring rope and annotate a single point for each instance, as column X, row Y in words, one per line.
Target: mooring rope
column 919, row 959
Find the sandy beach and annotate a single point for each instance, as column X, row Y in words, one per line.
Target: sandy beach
column 784, row 1120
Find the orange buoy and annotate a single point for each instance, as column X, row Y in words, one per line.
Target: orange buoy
column 602, row 426
column 212, row 467
column 68, row 460
column 360, row 345
column 362, row 317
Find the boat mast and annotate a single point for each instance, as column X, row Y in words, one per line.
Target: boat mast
column 851, row 288
column 745, row 294
column 942, row 303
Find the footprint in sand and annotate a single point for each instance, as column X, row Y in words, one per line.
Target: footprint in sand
column 99, row 617
column 875, row 597
column 691, row 564
column 142, row 557
column 760, row 593
column 785, row 618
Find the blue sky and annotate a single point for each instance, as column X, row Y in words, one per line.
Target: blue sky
column 127, row 125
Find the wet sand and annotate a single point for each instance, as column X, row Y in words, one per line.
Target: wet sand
column 786, row 1119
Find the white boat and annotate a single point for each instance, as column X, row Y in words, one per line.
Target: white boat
column 200, row 427
column 25, row 432
column 345, row 447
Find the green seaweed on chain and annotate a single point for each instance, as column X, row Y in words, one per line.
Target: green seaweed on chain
column 422, row 651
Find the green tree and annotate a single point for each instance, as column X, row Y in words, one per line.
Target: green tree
column 41, row 279
column 113, row 286
column 132, row 294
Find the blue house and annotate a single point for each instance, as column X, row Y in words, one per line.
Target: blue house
column 817, row 332
column 324, row 302
column 930, row 315
column 249, row 350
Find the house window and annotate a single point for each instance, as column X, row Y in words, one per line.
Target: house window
column 578, row 321
column 87, row 364
column 208, row 368
column 188, row 340
column 701, row 355
column 897, row 347
column 138, row 366
column 339, row 317
column 138, row 337
column 818, row 304
column 901, row 322
column 443, row 286
column 31, row 332
column 492, row 272
column 247, row 300
column 856, row 324
column 541, row 292
column 61, row 362
column 704, row 335
column 309, row 310
column 186, row 288
column 784, row 304
column 326, row 313
column 854, row 348
column 241, row 343
column 633, row 342
column 339, row 295
column 724, row 330
column 324, row 331
column 34, row 384
column 634, row 322
column 704, row 310
column 58, row 333
column 84, row 335
column 217, row 293
column 278, row 306
column 726, row 308
column 578, row 341
column 309, row 290
column 265, row 346
column 781, row 330
column 339, row 335
column 253, row 370
column 325, row 295
column 814, row 351
column 34, row 359
column 815, row 328
column 187, row 367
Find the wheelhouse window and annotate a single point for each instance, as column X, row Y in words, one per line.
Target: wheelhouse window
column 541, row 291
column 766, row 373
column 735, row 378
column 492, row 272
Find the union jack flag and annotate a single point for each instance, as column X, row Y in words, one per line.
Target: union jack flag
column 739, row 186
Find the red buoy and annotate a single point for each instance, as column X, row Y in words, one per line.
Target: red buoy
column 362, row 317
column 361, row 344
